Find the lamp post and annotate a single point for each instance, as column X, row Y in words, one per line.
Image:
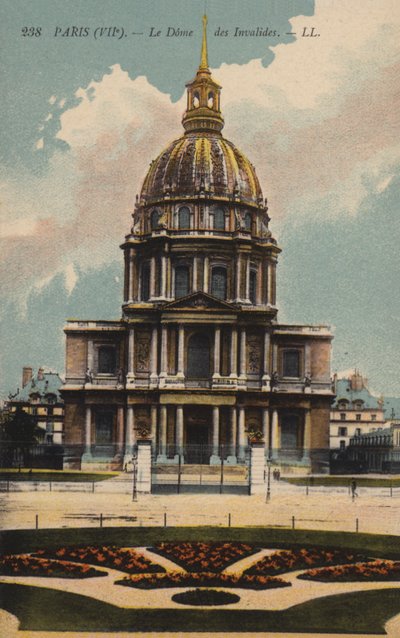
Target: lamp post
column 268, row 495
column 134, row 488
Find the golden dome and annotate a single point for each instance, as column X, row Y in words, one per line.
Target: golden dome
column 202, row 162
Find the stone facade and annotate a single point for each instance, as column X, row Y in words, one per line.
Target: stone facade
column 198, row 360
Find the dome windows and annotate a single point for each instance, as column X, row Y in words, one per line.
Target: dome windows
column 253, row 287
column 247, row 221
column 184, row 218
column 145, row 282
column 196, row 100
column 182, row 281
column 219, row 218
column 210, row 100
column 154, row 219
column 219, row 282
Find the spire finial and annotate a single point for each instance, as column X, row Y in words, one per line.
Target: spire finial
column 204, row 60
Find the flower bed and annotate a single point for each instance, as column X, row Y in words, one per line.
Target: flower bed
column 211, row 557
column 201, row 579
column 201, row 597
column 26, row 565
column 375, row 570
column 126, row 560
column 291, row 560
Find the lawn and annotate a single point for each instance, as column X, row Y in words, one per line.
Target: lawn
column 54, row 476
column 343, row 481
column 40, row 609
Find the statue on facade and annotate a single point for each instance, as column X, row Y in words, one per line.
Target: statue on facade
column 88, row 376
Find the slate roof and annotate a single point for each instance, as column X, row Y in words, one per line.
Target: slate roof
column 49, row 384
column 391, row 407
column 344, row 391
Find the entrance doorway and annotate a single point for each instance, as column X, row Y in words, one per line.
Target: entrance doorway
column 197, row 443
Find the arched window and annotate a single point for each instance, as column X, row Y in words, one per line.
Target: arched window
column 253, row 287
column 181, row 281
column 145, row 282
column 210, row 101
column 219, row 219
column 196, row 100
column 247, row 221
column 218, row 282
column 198, row 357
column 107, row 360
column 184, row 217
column 154, row 219
column 291, row 363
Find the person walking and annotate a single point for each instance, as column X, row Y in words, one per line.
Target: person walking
column 353, row 487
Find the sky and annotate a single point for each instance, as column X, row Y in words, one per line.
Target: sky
column 86, row 111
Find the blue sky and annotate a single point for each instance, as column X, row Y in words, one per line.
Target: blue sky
column 83, row 118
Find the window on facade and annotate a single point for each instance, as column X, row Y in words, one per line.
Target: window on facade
column 219, row 219
column 358, row 417
column 289, row 432
column 219, row 282
column 343, row 416
column 342, row 431
column 145, row 282
column 247, row 221
column 198, row 358
column 107, row 360
column 181, row 281
column 154, row 219
column 253, row 287
column 358, row 431
column 373, row 417
column 104, row 427
column 291, row 363
column 184, row 217
column 342, row 445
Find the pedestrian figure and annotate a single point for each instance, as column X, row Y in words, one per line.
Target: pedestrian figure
column 353, row 487
column 278, row 475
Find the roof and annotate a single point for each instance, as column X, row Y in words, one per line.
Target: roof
column 391, row 407
column 50, row 383
column 344, row 392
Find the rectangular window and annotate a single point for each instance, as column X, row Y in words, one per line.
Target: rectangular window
column 291, row 363
column 342, row 431
column 358, row 431
column 373, row 417
column 358, row 417
column 343, row 416
column 342, row 445
column 107, row 360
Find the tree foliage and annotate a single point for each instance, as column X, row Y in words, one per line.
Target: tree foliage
column 18, row 433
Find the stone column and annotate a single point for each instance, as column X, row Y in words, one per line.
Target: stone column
column 307, row 437
column 241, row 434
column 275, row 436
column 129, row 433
column 168, row 278
column 120, row 431
column 259, row 299
column 243, row 362
column 88, row 431
column 162, row 455
column 194, row 279
column 266, row 378
column 206, row 274
column 233, row 437
column 181, row 352
column 152, row 277
column 131, row 354
column 153, row 356
column 163, row 287
column 131, row 292
column 164, row 352
column 238, row 276
column 257, row 468
column 233, row 357
column 143, row 484
column 217, row 351
column 215, row 459
column 266, row 431
column 274, row 358
column 179, row 430
column 270, row 284
column 154, row 425
column 90, row 355
column 247, row 295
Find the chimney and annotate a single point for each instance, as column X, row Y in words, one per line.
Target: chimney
column 40, row 374
column 26, row 375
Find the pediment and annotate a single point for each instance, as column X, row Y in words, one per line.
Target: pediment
column 200, row 301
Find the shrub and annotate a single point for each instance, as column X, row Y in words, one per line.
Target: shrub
column 213, row 557
column 202, row 597
column 200, row 579
column 126, row 560
column 26, row 565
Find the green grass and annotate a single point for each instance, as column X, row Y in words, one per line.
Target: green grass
column 378, row 545
column 343, row 481
column 54, row 476
column 40, row 609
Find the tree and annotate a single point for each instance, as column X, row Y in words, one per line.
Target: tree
column 18, row 433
